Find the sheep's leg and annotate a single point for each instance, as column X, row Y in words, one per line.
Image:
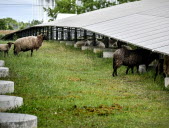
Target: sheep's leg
column 31, row 52
column 7, row 53
column 15, row 51
column 114, row 71
column 127, row 70
column 132, row 69
column 156, row 73
column 137, row 69
column 4, row 53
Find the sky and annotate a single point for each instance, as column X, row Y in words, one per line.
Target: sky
column 21, row 10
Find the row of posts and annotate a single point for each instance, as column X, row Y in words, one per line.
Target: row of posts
column 59, row 33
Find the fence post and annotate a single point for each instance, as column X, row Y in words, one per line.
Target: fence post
column 94, row 39
column 56, row 33
column 75, row 39
column 68, row 33
column 106, row 42
column 51, row 32
column 85, row 34
column 62, row 33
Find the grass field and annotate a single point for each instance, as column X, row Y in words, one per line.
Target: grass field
column 69, row 88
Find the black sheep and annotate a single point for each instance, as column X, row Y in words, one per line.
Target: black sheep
column 131, row 58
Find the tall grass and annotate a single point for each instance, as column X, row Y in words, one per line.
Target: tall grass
column 69, row 88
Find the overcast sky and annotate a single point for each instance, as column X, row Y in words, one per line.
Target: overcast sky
column 21, row 10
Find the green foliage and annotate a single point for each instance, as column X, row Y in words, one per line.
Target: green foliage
column 69, row 88
column 2, row 24
column 70, row 6
column 11, row 24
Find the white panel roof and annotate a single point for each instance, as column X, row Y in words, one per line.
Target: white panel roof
column 148, row 29
column 107, row 13
column 143, row 23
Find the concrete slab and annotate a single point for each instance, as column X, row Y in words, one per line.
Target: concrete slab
column 70, row 43
column 6, row 87
column 87, row 48
column 15, row 120
column 107, row 54
column 4, row 71
column 62, row 42
column 142, row 68
column 166, row 80
column 109, row 50
column 9, row 102
column 76, row 46
column 2, row 63
column 98, row 50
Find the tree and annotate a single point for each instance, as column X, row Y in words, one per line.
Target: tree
column 2, row 24
column 62, row 6
column 35, row 22
column 70, row 6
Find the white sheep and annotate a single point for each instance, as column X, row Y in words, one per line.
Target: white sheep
column 28, row 43
column 100, row 44
column 5, row 48
column 79, row 44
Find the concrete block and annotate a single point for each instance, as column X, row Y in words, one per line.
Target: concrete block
column 142, row 68
column 6, row 87
column 76, row 46
column 87, row 48
column 9, row 102
column 70, row 43
column 107, row 54
column 2, row 63
column 108, row 50
column 97, row 50
column 62, row 42
column 15, row 120
column 166, row 80
column 4, row 71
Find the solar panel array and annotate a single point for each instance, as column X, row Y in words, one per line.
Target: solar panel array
column 143, row 23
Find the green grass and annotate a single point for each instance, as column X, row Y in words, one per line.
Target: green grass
column 69, row 88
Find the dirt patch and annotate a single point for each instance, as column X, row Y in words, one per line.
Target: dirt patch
column 101, row 110
column 4, row 32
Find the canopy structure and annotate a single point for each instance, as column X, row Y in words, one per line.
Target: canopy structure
column 142, row 23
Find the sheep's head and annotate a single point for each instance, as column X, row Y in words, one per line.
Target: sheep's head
column 45, row 37
column 10, row 44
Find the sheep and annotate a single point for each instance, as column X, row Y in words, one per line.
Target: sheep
column 100, row 44
column 80, row 43
column 89, row 42
column 120, row 43
column 112, row 42
column 131, row 58
column 28, row 43
column 162, row 67
column 159, row 68
column 5, row 48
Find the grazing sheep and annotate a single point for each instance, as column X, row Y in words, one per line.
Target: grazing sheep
column 100, row 44
column 162, row 67
column 166, row 65
column 159, row 68
column 89, row 43
column 120, row 43
column 112, row 42
column 28, row 43
column 5, row 48
column 131, row 58
column 80, row 43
